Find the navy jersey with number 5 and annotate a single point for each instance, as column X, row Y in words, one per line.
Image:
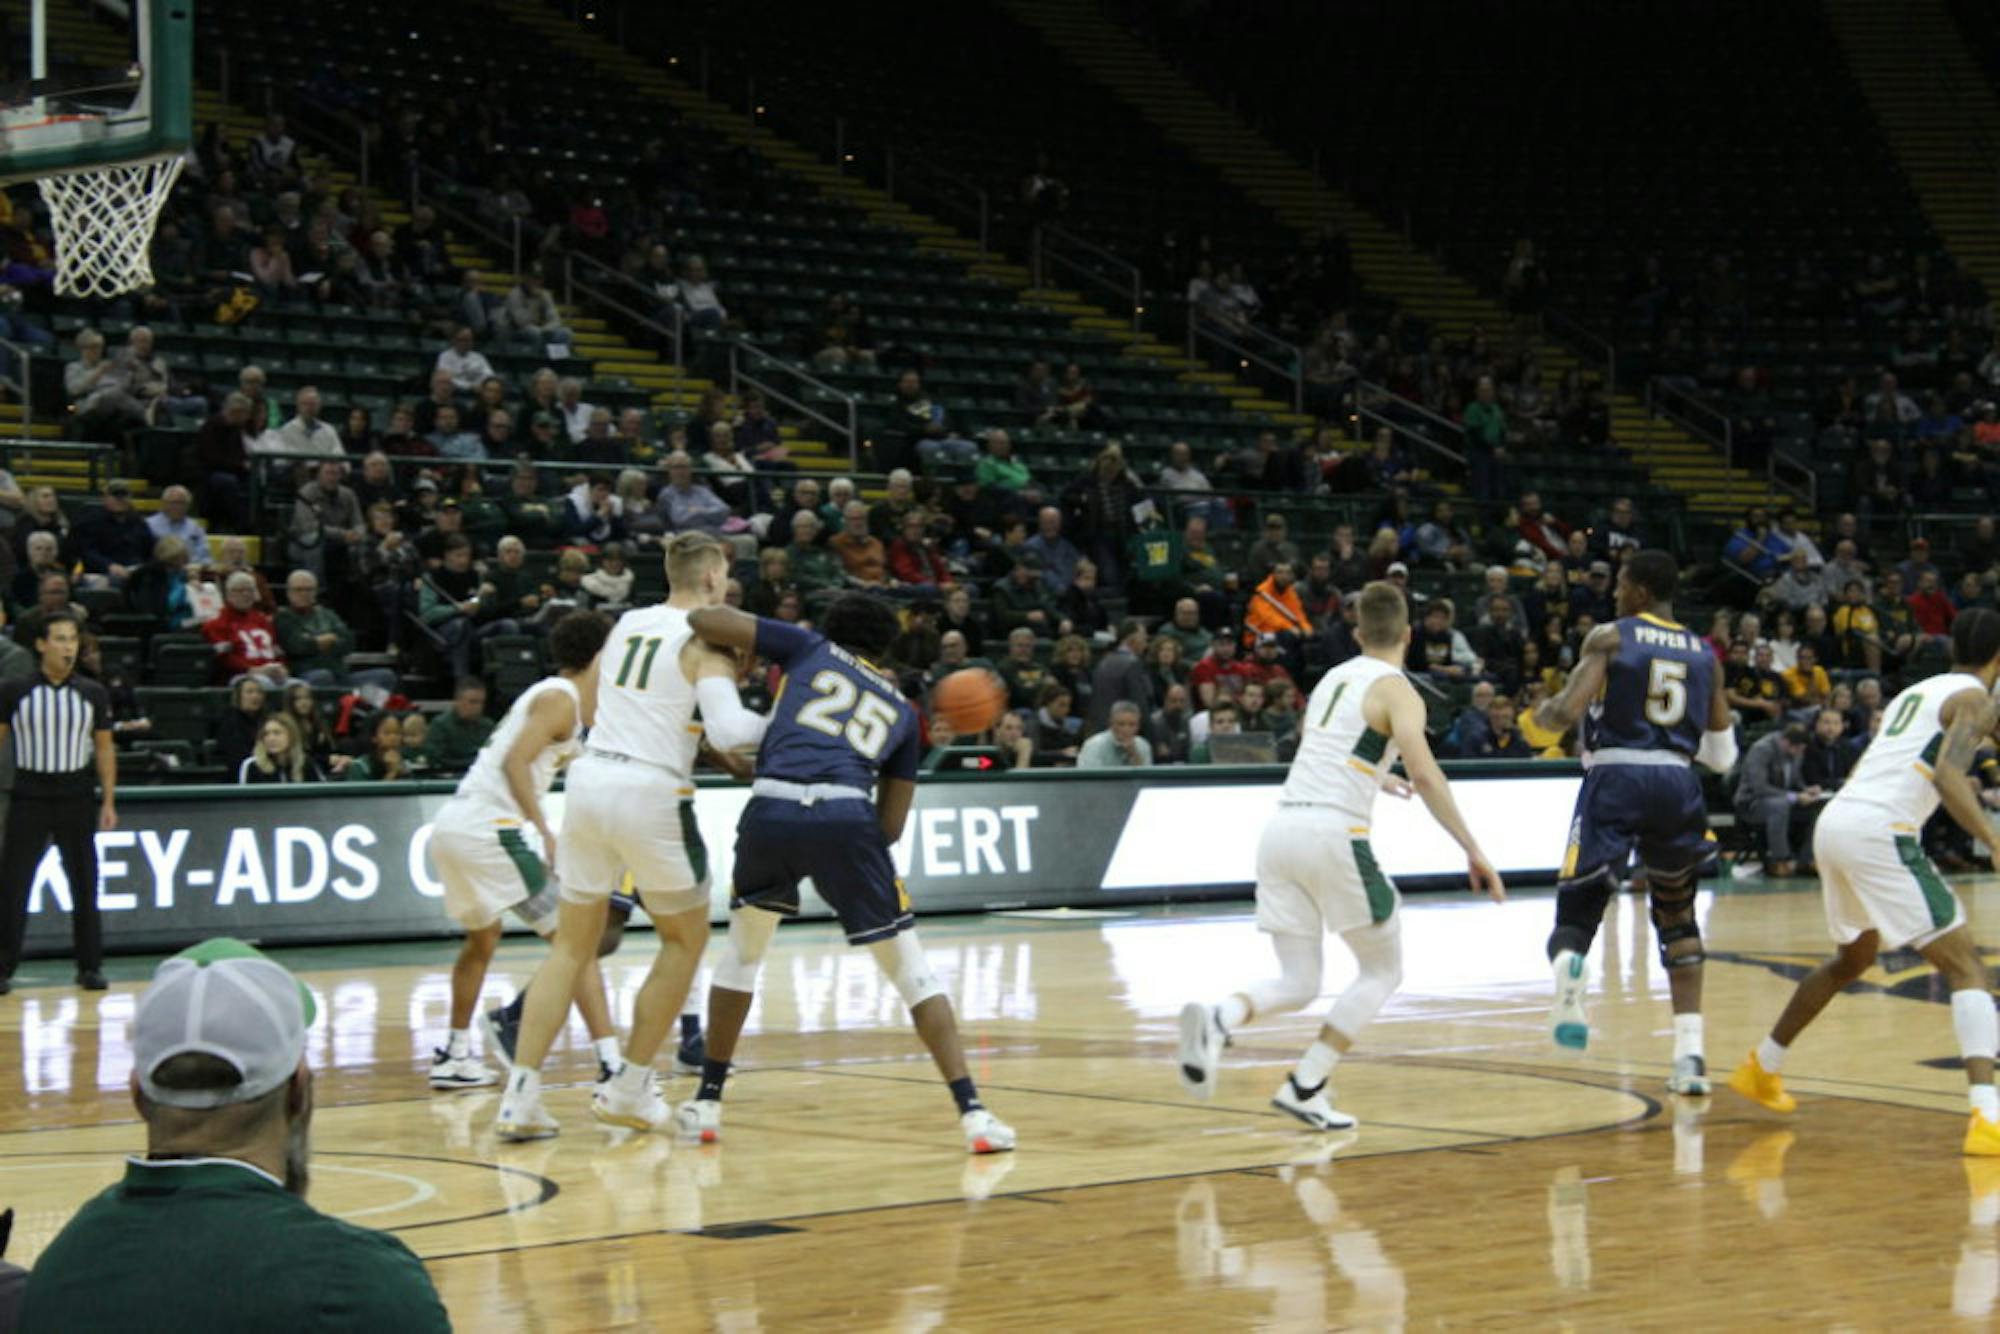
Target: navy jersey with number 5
column 1656, row 691
column 837, row 719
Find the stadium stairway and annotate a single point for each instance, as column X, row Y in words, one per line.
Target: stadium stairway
column 931, row 234
column 1937, row 112
column 1385, row 260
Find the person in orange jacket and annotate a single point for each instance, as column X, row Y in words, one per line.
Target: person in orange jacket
column 1276, row 609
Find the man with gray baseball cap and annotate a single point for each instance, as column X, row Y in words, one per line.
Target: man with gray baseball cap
column 209, row 1228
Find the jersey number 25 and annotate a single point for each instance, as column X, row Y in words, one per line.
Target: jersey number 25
column 840, row 708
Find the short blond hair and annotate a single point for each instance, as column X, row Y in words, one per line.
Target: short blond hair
column 1382, row 618
column 688, row 554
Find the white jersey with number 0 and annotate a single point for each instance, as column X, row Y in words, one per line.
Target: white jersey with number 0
column 483, row 793
column 1341, row 759
column 1895, row 775
column 645, row 704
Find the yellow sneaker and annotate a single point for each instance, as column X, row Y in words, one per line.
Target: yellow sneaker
column 1759, row 1085
column 1982, row 1137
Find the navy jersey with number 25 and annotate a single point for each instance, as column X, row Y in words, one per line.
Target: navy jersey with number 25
column 838, row 718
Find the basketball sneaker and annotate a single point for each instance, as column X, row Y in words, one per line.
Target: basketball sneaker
column 985, row 1132
column 1202, row 1041
column 691, row 1053
column 523, row 1118
column 631, row 1098
column 1566, row 1021
column 699, row 1119
column 1982, row 1137
column 502, row 1027
column 1759, row 1085
column 1690, row 1077
column 1310, row 1106
column 460, row 1072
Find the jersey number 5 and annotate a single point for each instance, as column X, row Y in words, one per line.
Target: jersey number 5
column 841, row 709
column 1667, row 692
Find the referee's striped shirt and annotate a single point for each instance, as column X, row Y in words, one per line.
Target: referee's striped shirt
column 54, row 730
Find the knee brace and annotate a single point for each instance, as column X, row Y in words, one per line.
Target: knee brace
column 1378, row 950
column 750, row 932
column 902, row 959
column 1579, row 911
column 1672, row 903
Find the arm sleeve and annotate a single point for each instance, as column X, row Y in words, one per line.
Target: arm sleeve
column 781, row 643
column 729, row 725
column 1718, row 750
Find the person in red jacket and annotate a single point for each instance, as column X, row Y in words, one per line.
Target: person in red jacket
column 245, row 637
column 1543, row 531
column 1931, row 607
column 914, row 558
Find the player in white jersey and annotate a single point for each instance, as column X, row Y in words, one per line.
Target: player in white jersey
column 1880, row 888
column 629, row 806
column 480, row 842
column 1316, row 872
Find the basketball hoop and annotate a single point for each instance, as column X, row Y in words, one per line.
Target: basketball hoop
column 104, row 219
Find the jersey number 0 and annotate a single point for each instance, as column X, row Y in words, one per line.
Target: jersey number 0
column 840, row 708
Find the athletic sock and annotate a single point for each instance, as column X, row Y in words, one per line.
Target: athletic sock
column 965, row 1095
column 607, row 1050
column 714, row 1074
column 1985, row 1100
column 1771, row 1054
column 1978, row 1029
column 1233, row 1013
column 524, row 1083
column 632, row 1077
column 1314, row 1067
column 1687, row 1035
column 458, row 1044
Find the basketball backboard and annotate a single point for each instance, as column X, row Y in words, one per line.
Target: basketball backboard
column 91, row 83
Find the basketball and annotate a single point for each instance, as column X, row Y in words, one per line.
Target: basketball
column 971, row 700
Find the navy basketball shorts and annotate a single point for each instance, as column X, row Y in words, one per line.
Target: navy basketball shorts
column 1625, row 808
column 838, row 846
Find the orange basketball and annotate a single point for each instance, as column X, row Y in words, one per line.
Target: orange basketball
column 971, row 700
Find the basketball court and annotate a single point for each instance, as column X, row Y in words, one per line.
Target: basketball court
column 1494, row 1183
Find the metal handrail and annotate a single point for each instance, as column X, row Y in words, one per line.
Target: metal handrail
column 1368, row 389
column 449, row 192
column 94, row 455
column 740, row 351
column 1124, row 279
column 24, row 387
column 1604, row 347
column 674, row 335
column 1699, row 417
column 308, row 118
column 1292, row 370
column 903, row 167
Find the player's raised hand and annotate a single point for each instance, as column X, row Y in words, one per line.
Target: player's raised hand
column 1484, row 879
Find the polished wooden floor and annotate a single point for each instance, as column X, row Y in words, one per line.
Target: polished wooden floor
column 1495, row 1183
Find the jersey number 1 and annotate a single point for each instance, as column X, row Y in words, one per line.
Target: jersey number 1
column 1666, row 692
column 632, row 648
column 840, row 708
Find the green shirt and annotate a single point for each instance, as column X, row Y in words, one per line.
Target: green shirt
column 218, row 1245
column 298, row 636
column 814, row 568
column 1007, row 474
column 452, row 743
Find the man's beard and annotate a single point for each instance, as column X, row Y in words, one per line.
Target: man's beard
column 298, row 1153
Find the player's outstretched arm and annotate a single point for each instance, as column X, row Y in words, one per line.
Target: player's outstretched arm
column 1406, row 728
column 551, row 719
column 1717, row 750
column 725, row 722
column 1969, row 718
column 725, row 627
column 1560, row 712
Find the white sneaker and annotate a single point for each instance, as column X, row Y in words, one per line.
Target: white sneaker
column 617, row 1103
column 522, row 1118
column 1690, row 1077
column 1311, row 1108
column 699, row 1119
column 985, row 1132
column 1202, row 1041
column 1567, row 1022
column 460, row 1072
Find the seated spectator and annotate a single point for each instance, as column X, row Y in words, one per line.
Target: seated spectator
column 1119, row 745
column 1442, row 540
column 1542, row 531
column 171, row 520
column 279, row 756
column 1274, row 608
column 52, row 595
column 327, row 523
column 1498, row 641
column 687, row 505
column 697, row 294
column 1807, row 686
column 100, row 396
column 1057, row 554
column 148, row 380
column 1069, row 665
column 316, row 641
column 609, row 586
column 1752, row 685
column 383, row 761
column 730, row 470
column 1225, row 718
column 919, row 643
column 914, row 558
column 575, row 413
column 530, row 309
column 997, row 466
column 450, row 440
column 593, row 514
column 455, row 739
column 1080, row 609
column 1265, row 664
column 232, row 556
column 1185, row 628
column 159, row 588
column 760, row 435
column 1799, row 587
column 1273, row 549
column 306, row 435
column 244, row 636
column 814, row 568
column 862, row 554
column 113, row 539
column 1773, row 797
column 1058, row 732
column 1930, row 606
column 209, row 1228
column 449, row 603
column 1219, row 671
column 222, row 448
column 1170, row 729
column 1829, row 758
column 236, row 731
column 959, row 614
column 841, row 340
column 1438, row 649
column 1022, row 672
column 1471, row 732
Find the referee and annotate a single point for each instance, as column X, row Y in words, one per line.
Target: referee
column 61, row 725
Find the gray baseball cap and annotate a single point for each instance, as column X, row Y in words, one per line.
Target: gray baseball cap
column 222, row 998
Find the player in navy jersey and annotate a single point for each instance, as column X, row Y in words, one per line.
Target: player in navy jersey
column 1656, row 705
column 836, row 774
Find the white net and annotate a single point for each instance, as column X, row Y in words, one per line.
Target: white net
column 104, row 222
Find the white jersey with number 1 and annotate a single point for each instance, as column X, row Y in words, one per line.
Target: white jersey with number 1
column 1895, row 776
column 1341, row 759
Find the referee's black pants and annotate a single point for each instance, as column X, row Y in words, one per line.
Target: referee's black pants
column 33, row 821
